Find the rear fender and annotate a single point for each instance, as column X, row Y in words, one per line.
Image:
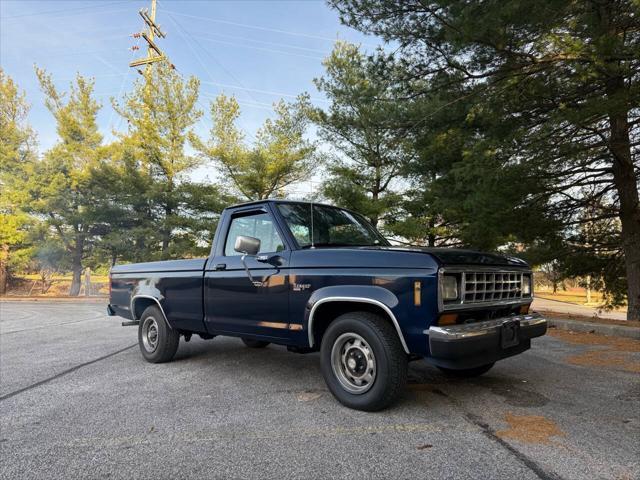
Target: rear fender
column 144, row 293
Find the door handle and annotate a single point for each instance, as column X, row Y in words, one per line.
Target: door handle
column 221, row 266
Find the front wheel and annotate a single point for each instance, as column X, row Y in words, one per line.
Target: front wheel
column 467, row 372
column 363, row 362
column 158, row 342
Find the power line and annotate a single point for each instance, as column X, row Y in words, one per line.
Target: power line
column 256, row 90
column 266, row 106
column 257, row 27
column 65, row 10
column 184, row 35
column 202, row 63
column 263, row 49
column 264, row 42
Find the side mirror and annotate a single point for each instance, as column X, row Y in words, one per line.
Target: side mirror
column 247, row 245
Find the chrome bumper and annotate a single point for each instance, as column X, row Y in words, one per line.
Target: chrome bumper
column 473, row 344
column 488, row 327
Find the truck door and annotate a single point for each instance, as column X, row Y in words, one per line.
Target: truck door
column 234, row 305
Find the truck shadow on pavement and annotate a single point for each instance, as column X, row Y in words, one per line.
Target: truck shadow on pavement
column 422, row 377
column 276, row 363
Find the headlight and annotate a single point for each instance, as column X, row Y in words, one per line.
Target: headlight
column 526, row 285
column 449, row 287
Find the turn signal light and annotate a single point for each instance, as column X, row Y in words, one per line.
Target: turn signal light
column 448, row 319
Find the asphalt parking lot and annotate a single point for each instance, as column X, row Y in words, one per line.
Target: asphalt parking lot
column 78, row 401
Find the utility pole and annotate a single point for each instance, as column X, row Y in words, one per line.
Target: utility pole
column 154, row 54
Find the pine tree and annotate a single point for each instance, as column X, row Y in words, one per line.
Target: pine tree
column 556, row 84
column 280, row 156
column 60, row 189
column 17, row 154
column 171, row 215
column 359, row 126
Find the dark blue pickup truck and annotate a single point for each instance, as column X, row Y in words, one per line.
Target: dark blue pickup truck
column 319, row 278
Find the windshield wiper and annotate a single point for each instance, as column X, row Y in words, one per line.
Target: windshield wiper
column 332, row 244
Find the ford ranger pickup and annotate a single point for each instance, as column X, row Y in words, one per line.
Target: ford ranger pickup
column 316, row 278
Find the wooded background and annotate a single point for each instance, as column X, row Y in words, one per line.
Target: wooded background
column 510, row 126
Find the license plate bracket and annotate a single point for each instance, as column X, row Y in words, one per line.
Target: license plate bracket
column 510, row 334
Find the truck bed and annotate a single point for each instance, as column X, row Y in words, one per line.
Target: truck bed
column 186, row 265
column 175, row 285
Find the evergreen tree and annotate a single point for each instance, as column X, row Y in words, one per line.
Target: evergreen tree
column 61, row 190
column 280, row 156
column 17, row 154
column 555, row 82
column 360, row 126
column 169, row 214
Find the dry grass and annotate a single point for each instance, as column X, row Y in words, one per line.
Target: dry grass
column 60, row 288
column 620, row 344
column 576, row 296
column 581, row 318
column 606, row 358
column 611, row 352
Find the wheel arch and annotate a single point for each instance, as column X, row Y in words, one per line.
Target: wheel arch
column 325, row 305
column 139, row 303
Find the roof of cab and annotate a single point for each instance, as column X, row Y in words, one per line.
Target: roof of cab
column 276, row 200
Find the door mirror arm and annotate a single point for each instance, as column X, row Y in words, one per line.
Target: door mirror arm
column 255, row 283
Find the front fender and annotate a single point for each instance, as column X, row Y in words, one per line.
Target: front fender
column 370, row 294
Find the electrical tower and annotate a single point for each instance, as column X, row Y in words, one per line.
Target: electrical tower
column 154, row 54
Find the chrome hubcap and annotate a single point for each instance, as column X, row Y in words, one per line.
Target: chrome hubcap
column 150, row 334
column 353, row 363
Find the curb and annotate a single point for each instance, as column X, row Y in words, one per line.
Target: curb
column 79, row 299
column 602, row 329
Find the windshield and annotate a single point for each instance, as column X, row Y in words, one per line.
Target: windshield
column 332, row 227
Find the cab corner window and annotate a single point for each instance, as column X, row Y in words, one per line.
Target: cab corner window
column 260, row 226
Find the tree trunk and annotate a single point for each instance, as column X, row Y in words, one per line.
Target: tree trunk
column 431, row 237
column 166, row 233
column 168, row 211
column 4, row 270
column 624, row 176
column 626, row 184
column 76, row 267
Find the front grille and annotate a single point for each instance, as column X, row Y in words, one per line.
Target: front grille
column 491, row 286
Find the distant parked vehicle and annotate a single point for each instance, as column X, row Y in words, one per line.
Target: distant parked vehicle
column 317, row 278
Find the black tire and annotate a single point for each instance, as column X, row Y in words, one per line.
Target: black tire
column 382, row 340
column 467, row 372
column 254, row 343
column 167, row 340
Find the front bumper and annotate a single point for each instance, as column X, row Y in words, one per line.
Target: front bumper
column 473, row 344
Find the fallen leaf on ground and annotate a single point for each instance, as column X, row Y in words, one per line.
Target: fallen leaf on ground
column 308, row 396
column 530, row 429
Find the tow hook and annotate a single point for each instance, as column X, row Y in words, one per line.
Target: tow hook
column 187, row 337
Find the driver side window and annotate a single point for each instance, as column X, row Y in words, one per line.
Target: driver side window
column 260, row 226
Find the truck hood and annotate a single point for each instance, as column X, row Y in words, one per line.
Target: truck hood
column 458, row 256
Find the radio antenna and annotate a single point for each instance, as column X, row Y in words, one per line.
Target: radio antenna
column 311, row 208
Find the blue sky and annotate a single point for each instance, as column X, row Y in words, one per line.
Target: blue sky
column 259, row 51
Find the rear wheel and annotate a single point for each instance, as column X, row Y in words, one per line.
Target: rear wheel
column 363, row 362
column 254, row 343
column 158, row 342
column 467, row 372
